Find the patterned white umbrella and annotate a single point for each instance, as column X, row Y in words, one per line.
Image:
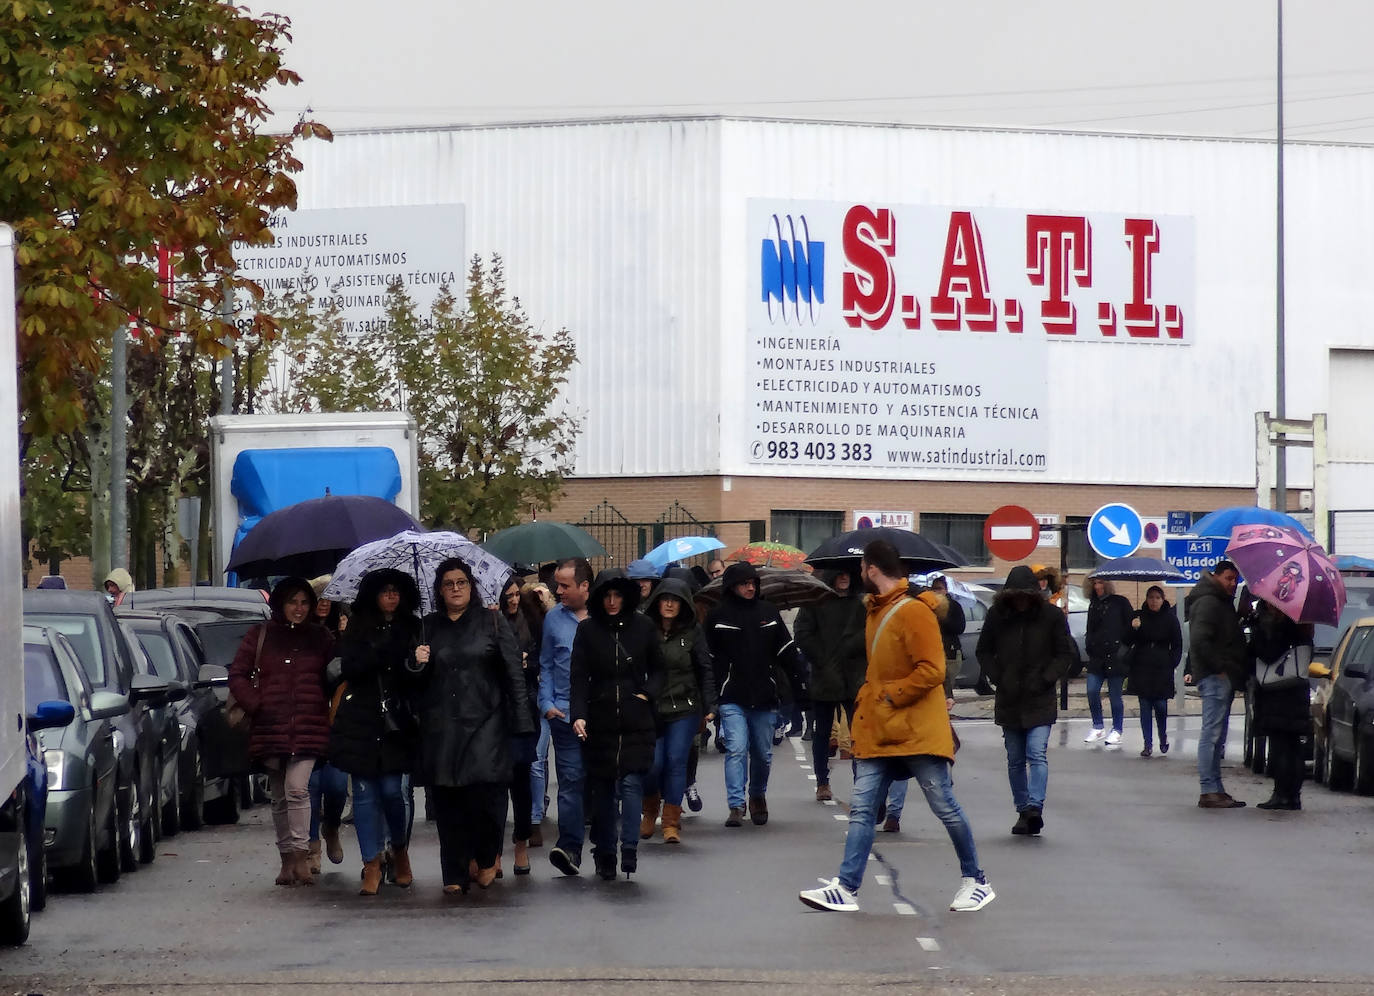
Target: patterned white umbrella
column 419, row 555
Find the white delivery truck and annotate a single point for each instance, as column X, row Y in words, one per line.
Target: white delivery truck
column 260, row 463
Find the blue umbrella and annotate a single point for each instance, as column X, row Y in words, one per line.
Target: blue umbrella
column 1346, row 562
column 1223, row 520
column 680, row 548
column 1137, row 569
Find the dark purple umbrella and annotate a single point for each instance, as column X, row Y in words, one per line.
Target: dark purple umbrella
column 1288, row 571
column 309, row 538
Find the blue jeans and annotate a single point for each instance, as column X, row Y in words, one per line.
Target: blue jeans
column 668, row 777
column 873, row 777
column 567, row 762
column 380, row 814
column 1113, row 683
column 328, row 796
column 1216, row 693
column 1026, row 757
column 616, row 805
column 896, row 800
column 747, row 732
column 1158, row 710
column 539, row 774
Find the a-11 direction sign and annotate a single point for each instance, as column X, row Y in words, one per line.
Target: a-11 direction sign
column 1192, row 555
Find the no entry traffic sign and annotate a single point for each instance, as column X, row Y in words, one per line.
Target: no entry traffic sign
column 1011, row 533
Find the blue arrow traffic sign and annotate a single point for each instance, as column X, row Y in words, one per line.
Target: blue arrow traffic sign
column 1115, row 530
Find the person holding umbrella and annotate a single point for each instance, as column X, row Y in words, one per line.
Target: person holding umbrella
column 1109, row 618
column 1156, row 643
column 1282, row 710
column 831, row 635
column 468, row 678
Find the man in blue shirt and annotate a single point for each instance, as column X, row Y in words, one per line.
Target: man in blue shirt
column 572, row 582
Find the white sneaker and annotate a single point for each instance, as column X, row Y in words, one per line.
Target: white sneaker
column 1114, row 738
column 833, row 896
column 973, row 895
column 1094, row 735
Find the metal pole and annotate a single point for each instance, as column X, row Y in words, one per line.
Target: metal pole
column 226, row 367
column 1280, row 371
column 119, row 448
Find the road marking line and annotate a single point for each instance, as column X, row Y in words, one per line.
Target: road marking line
column 883, row 879
column 906, row 909
column 830, row 802
column 928, row 943
column 842, row 816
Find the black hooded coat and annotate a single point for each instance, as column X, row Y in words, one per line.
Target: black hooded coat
column 831, row 635
column 747, row 638
column 375, row 731
column 689, row 685
column 616, row 659
column 1024, row 649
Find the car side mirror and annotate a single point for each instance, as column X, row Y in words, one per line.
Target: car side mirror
column 107, row 705
column 51, row 715
column 149, row 689
column 212, row 676
column 1318, row 670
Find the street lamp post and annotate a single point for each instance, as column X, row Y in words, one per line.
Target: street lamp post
column 1280, row 364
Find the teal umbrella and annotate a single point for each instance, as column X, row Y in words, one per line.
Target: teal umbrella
column 540, row 541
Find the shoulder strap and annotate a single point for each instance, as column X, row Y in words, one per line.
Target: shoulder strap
column 882, row 623
column 257, row 655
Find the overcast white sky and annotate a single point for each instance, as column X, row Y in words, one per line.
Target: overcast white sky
column 1163, row 66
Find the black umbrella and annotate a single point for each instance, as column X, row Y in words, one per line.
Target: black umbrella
column 918, row 553
column 785, row 587
column 309, row 538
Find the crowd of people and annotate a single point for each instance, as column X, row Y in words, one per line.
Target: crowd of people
column 620, row 675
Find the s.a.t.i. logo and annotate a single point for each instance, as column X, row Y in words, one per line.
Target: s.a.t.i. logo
column 792, row 271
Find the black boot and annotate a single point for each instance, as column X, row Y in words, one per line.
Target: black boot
column 1035, row 820
column 629, row 861
column 1021, row 828
column 605, row 865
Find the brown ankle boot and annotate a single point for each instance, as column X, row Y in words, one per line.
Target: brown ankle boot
column 672, row 824
column 372, row 877
column 401, row 859
column 287, row 875
column 650, row 817
column 303, row 875
column 333, row 847
column 314, row 857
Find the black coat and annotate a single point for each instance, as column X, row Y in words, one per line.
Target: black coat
column 362, row 741
column 1109, row 618
column 1279, row 710
column 1216, row 642
column 617, row 676
column 1156, row 649
column 748, row 639
column 1025, row 653
column 471, row 699
column 689, row 687
column 831, row 635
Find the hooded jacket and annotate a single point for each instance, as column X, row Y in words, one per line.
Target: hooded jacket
column 1109, row 619
column 747, row 637
column 1216, row 643
column 1156, row 649
column 831, row 635
column 901, row 707
column 287, row 702
column 123, row 581
column 1024, row 649
column 617, row 677
column 364, row 740
column 689, row 687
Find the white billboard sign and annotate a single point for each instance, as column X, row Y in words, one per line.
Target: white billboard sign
column 890, row 520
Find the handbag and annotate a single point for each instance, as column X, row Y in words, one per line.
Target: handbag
column 234, row 713
column 1288, row 671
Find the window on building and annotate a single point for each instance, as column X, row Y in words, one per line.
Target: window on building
column 961, row 531
column 1081, row 555
column 805, row 529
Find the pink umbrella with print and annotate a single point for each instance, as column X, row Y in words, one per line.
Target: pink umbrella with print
column 1289, row 571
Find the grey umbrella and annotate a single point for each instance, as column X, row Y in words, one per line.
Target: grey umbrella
column 785, row 587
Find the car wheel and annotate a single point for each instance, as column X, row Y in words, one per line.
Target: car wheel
column 193, row 802
column 14, row 911
column 171, row 812
column 85, row 875
column 152, row 827
column 38, row 875
column 107, row 860
column 1247, row 756
column 260, row 793
column 244, row 789
column 1259, row 749
column 130, row 829
column 1364, row 766
column 1319, row 759
column 225, row 809
column 1340, row 773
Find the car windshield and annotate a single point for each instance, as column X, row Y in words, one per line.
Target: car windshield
column 80, row 630
column 159, row 651
column 221, row 639
column 42, row 680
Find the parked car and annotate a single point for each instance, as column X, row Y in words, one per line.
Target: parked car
column 1343, row 733
column 87, row 621
column 176, row 653
column 79, row 829
column 220, row 639
column 201, row 602
column 165, row 713
column 43, row 715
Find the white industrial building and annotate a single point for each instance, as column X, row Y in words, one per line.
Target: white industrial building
column 791, row 322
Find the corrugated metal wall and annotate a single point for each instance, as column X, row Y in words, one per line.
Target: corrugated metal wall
column 633, row 234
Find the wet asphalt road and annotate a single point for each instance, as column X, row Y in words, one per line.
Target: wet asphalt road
column 1131, row 889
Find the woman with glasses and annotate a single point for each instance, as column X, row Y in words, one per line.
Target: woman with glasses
column 472, row 693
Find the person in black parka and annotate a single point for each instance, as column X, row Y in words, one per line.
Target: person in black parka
column 1156, row 642
column 373, row 736
column 831, row 635
column 617, row 675
column 1281, row 714
column 471, row 696
column 1109, row 617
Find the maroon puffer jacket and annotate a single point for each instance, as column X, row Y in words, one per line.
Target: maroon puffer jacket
column 289, row 709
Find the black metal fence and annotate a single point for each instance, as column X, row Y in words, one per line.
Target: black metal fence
column 626, row 541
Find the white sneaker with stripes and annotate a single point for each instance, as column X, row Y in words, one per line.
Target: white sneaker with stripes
column 973, row 895
column 831, row 896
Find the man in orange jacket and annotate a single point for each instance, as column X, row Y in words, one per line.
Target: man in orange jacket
column 901, row 730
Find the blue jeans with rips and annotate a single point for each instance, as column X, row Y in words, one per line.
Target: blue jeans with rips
column 748, row 734
column 1216, row 693
column 1028, row 767
column 567, row 760
column 873, row 777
